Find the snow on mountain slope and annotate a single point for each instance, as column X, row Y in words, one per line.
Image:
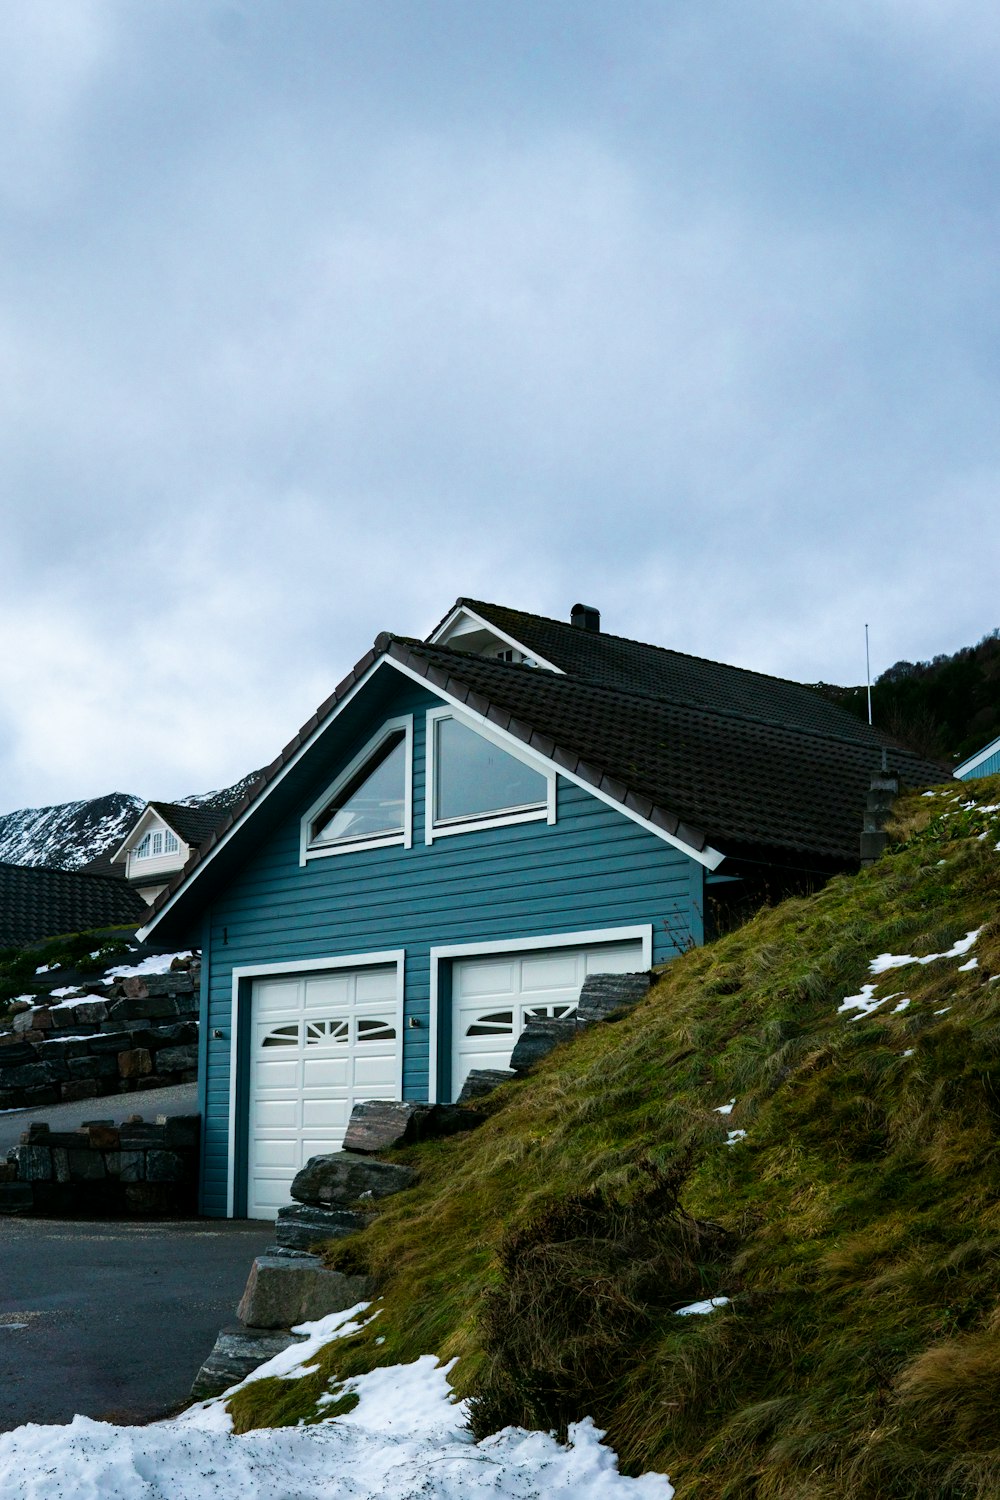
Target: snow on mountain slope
column 72, row 834
column 68, row 835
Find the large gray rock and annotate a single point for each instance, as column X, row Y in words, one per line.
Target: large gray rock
column 538, row 1039
column 482, row 1081
column 302, row 1225
column 607, row 995
column 282, row 1291
column 341, row 1178
column 381, row 1124
column 236, row 1352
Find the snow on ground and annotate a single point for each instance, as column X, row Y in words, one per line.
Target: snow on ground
column 159, row 963
column 697, row 1308
column 867, row 1001
column 886, row 961
column 405, row 1440
column 733, row 1136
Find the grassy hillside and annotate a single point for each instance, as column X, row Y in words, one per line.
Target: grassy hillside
column 855, row 1227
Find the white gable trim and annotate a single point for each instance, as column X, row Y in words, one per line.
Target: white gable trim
column 977, row 759
column 147, row 818
column 709, row 857
column 444, row 631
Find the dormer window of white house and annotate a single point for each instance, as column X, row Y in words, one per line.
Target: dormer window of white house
column 368, row 805
column 154, row 843
column 476, row 783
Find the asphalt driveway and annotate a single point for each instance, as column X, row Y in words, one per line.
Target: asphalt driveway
column 113, row 1319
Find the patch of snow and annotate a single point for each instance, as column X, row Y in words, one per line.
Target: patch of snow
column 724, row 1109
column 47, row 968
column 943, row 1011
column 734, row 1136
column 30, row 998
column 909, row 1052
column 159, row 963
column 864, row 1003
column 698, row 1308
column 972, row 964
column 886, row 961
column 901, row 1006
column 406, row 1438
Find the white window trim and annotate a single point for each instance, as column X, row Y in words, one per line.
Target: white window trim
column 380, row 840
column 247, row 973
column 445, row 634
column 450, row 951
column 542, row 812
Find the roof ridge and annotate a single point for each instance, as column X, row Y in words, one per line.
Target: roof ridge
column 646, row 645
column 679, row 702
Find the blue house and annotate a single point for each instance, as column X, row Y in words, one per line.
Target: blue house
column 463, row 831
column 985, row 762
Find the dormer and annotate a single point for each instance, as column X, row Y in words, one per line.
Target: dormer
column 464, row 630
column 152, row 852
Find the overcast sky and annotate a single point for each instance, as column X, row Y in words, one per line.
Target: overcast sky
column 317, row 314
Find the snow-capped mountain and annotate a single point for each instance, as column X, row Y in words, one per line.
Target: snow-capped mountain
column 73, row 834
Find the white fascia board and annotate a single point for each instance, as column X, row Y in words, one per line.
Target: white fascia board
column 440, row 636
column 249, row 972
column 709, row 857
column 304, row 748
column 134, row 832
column 977, row 759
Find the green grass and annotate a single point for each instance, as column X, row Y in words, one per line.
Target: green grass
column 856, row 1228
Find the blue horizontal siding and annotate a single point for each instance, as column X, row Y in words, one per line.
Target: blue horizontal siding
column 594, row 868
column 988, row 767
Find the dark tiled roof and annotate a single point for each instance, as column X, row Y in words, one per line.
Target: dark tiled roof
column 656, row 671
column 733, row 781
column 737, row 781
column 194, row 824
column 37, row 902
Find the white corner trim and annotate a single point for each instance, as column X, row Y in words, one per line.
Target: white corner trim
column 380, row 840
column 440, row 637
column 448, row 951
column 709, row 857
column 977, row 759
column 536, row 813
column 249, row 972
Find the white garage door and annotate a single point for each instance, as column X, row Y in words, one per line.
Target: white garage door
column 493, row 997
column 320, row 1044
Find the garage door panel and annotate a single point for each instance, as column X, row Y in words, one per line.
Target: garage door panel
column 490, row 978
column 274, row 995
column 548, row 973
column 321, row 1043
column 327, row 1072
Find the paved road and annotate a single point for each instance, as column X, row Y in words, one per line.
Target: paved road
column 182, row 1099
column 113, row 1320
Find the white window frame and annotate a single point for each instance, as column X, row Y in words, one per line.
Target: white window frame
column 309, row 851
column 245, row 974
column 538, row 813
column 144, row 848
column 445, row 953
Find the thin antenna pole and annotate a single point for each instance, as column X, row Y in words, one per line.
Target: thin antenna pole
column 868, row 674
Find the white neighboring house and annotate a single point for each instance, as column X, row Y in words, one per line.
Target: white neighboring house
column 160, row 842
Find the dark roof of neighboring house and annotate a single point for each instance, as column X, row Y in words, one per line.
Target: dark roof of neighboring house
column 789, row 780
column 37, row 902
column 194, row 824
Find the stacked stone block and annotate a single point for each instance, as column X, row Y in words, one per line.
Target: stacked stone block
column 119, row 1037
column 133, row 1170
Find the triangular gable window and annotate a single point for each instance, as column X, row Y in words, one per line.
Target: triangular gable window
column 369, row 804
column 476, row 783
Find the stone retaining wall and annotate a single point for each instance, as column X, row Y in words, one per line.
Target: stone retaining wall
column 103, row 1170
column 131, row 1034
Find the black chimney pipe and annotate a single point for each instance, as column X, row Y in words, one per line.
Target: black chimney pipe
column 585, row 617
